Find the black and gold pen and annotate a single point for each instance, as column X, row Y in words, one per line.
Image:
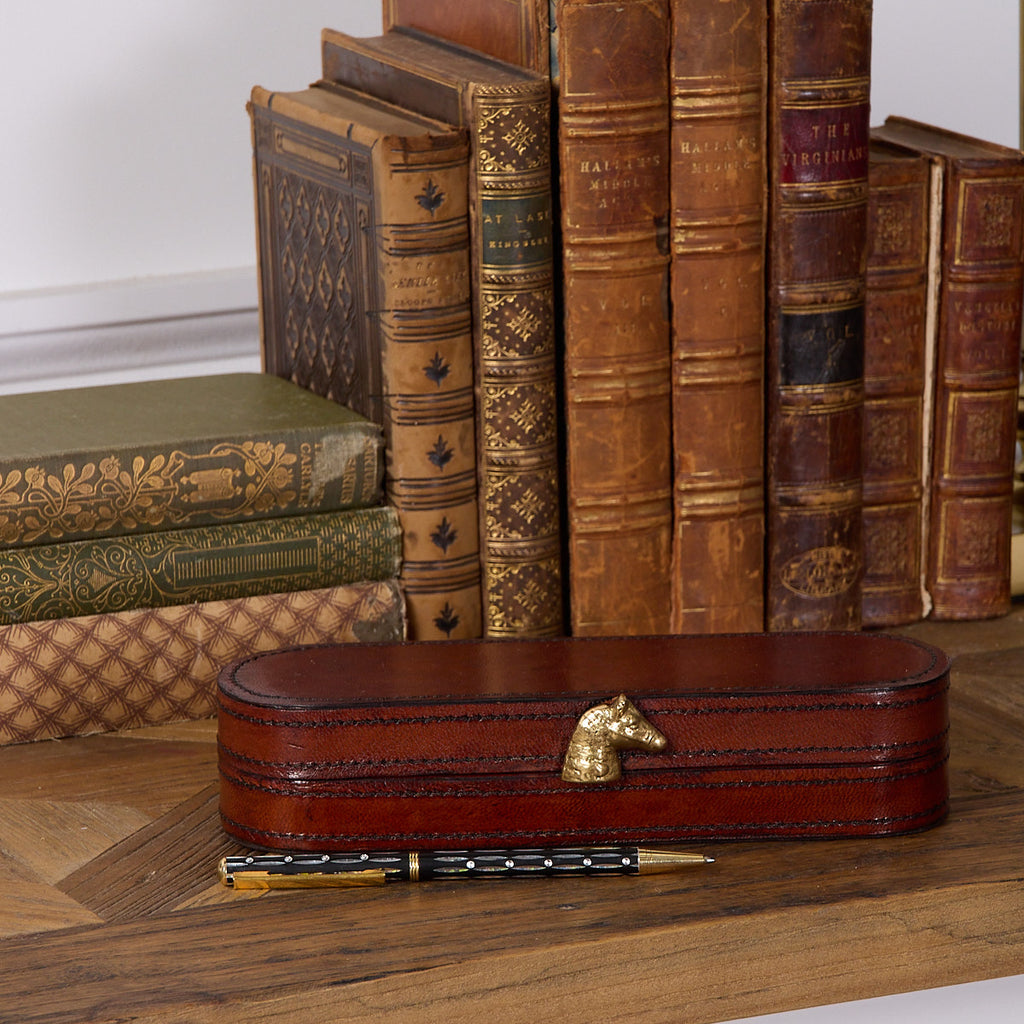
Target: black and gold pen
column 318, row 870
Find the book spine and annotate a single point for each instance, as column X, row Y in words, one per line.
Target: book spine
column 976, row 384
column 139, row 489
column 896, row 358
column 613, row 149
column 203, row 563
column 718, row 192
column 423, row 310
column 517, row 405
column 819, row 79
column 150, row 666
column 507, row 116
column 369, row 237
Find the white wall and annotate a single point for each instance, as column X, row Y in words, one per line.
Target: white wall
column 126, row 139
column 949, row 63
column 127, row 245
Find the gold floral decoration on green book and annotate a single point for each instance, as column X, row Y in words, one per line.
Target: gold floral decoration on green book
column 108, row 496
column 210, row 563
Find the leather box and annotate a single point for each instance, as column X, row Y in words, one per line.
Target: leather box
column 467, row 743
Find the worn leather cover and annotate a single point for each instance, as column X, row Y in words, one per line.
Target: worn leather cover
column 818, row 129
column 898, row 353
column 117, row 459
column 461, row 743
column 363, row 233
column 977, row 368
column 516, row 31
column 506, row 111
column 717, row 168
column 613, row 142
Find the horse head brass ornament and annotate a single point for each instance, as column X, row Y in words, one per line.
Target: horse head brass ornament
column 601, row 732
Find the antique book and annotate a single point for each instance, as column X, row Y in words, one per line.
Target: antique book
column 977, row 368
column 130, row 458
column 506, row 110
column 903, row 238
column 515, row 31
column 718, row 208
column 613, row 143
column 365, row 298
column 147, row 666
column 819, row 78
column 199, row 563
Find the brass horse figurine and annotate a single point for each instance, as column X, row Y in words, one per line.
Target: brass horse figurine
column 601, row 732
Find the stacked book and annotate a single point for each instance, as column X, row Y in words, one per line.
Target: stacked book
column 601, row 273
column 153, row 531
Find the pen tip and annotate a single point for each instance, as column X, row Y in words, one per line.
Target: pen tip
column 656, row 861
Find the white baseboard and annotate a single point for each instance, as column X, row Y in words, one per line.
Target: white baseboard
column 131, row 330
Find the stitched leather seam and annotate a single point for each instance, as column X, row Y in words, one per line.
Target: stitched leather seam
column 609, row 832
column 877, row 705
column 389, row 788
column 674, row 755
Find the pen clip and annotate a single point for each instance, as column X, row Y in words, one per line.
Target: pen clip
column 298, row 880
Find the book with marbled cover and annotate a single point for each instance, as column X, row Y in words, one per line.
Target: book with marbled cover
column 363, row 245
column 506, row 110
column 154, row 455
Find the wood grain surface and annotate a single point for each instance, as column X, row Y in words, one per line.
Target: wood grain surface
column 110, row 909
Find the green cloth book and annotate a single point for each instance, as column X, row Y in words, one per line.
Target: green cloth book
column 154, row 455
column 202, row 563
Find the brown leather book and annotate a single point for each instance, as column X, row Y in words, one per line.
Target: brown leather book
column 898, row 357
column 148, row 666
column 364, row 269
column 819, row 75
column 977, row 368
column 506, row 110
column 516, row 31
column 613, row 139
column 718, row 81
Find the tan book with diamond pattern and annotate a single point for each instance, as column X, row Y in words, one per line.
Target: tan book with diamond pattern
column 147, row 666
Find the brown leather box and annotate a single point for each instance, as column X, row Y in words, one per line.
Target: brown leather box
column 465, row 743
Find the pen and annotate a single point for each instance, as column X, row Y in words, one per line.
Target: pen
column 318, row 870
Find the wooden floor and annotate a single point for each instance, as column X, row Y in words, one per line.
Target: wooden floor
column 110, row 909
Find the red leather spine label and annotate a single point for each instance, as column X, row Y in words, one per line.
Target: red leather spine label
column 823, row 145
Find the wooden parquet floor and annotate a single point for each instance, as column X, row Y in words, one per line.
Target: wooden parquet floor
column 110, row 909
